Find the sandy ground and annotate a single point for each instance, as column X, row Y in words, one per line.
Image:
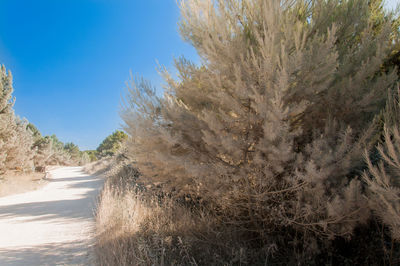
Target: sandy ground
column 53, row 225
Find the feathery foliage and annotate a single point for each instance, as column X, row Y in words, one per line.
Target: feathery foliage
column 383, row 177
column 270, row 130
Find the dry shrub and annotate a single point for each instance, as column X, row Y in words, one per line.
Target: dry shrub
column 138, row 227
column 266, row 138
column 50, row 151
column 99, row 166
column 269, row 132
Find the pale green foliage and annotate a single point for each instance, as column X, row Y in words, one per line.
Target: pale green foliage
column 85, row 158
column 35, row 132
column 73, row 150
column 271, row 129
column 378, row 18
column 92, row 155
column 6, row 103
column 77, row 156
column 111, row 144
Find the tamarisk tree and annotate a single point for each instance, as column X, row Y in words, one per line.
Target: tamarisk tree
column 270, row 130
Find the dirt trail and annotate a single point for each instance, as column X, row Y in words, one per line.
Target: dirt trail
column 53, row 225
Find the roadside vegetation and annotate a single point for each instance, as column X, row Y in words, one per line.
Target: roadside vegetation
column 24, row 151
column 280, row 148
column 25, row 154
column 15, row 182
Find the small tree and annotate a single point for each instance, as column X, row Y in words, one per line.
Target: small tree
column 19, row 147
column 15, row 138
column 34, row 131
column 6, row 113
column 45, row 152
column 73, row 151
column 111, row 144
column 92, row 155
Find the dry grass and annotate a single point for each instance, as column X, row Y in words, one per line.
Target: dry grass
column 97, row 167
column 13, row 182
column 132, row 231
column 134, row 228
column 140, row 226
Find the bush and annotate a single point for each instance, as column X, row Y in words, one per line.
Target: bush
column 137, row 225
column 269, row 133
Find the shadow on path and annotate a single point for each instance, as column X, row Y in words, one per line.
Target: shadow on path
column 72, row 209
column 53, row 225
column 70, row 253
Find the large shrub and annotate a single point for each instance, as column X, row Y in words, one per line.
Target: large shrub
column 270, row 131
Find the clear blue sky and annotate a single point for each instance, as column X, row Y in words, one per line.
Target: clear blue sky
column 71, row 58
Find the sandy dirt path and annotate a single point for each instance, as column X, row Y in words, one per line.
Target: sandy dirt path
column 53, row 225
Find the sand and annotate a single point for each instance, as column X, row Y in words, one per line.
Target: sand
column 53, row 225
